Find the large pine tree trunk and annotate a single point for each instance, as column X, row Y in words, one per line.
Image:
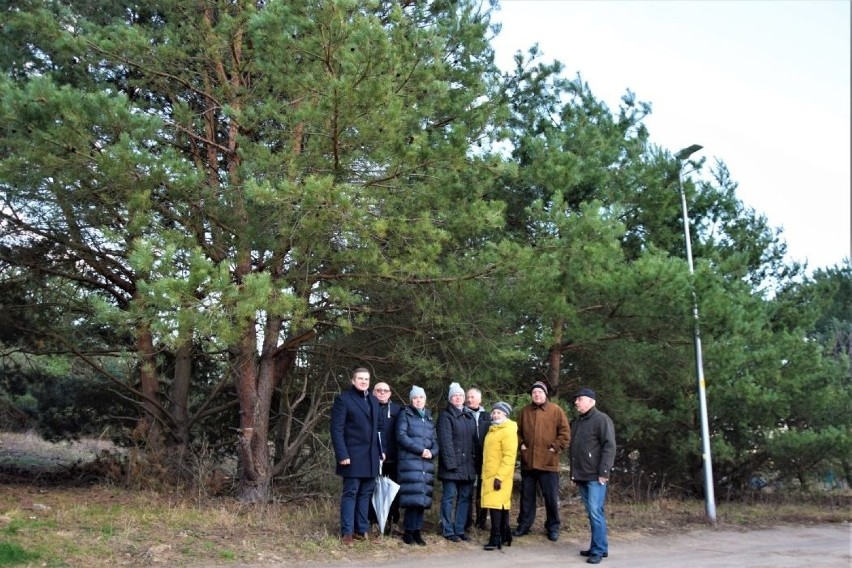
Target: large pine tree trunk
column 150, row 427
column 555, row 357
column 179, row 393
column 254, row 480
column 255, row 378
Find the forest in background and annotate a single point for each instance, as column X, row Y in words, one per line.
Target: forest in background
column 212, row 211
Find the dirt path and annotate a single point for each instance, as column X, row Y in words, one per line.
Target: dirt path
column 820, row 546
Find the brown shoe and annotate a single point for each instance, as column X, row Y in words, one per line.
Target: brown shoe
column 360, row 536
column 347, row 539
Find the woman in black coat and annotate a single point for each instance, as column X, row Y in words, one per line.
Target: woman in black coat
column 417, row 450
column 457, row 468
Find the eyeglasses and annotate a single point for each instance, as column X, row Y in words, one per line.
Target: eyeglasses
column 381, row 390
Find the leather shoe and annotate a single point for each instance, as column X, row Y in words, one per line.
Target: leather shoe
column 452, row 538
column 553, row 536
column 589, row 553
column 347, row 539
column 520, row 532
column 360, row 536
column 463, row 537
column 594, row 559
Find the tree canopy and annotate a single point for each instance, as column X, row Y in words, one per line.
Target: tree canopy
column 218, row 209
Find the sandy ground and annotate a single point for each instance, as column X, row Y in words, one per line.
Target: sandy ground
column 820, row 546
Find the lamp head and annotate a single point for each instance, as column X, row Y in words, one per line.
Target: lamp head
column 688, row 151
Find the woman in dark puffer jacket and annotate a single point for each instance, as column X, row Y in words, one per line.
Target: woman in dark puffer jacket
column 418, row 448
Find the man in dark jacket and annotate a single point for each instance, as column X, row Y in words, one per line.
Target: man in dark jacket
column 543, row 432
column 357, row 450
column 388, row 414
column 482, row 419
column 457, row 464
column 592, row 458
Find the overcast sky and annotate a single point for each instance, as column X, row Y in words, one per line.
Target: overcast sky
column 763, row 85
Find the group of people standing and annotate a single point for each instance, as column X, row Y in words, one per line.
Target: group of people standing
column 474, row 454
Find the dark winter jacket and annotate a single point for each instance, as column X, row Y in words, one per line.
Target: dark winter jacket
column 355, row 433
column 415, row 433
column 388, row 414
column 483, row 421
column 457, row 438
column 592, row 446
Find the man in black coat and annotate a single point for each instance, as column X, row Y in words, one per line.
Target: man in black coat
column 388, row 414
column 357, row 450
column 482, row 419
column 592, row 458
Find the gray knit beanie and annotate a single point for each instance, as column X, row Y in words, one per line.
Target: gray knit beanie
column 502, row 407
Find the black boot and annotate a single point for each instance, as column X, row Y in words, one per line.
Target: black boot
column 408, row 537
column 493, row 542
column 505, row 531
column 496, row 540
column 419, row 539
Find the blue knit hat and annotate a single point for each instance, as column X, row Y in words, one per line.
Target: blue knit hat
column 502, row 407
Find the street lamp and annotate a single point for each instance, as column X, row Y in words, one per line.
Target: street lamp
column 709, row 496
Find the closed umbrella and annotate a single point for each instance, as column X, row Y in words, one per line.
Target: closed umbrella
column 386, row 489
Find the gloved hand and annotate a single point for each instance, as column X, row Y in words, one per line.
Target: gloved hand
column 497, row 485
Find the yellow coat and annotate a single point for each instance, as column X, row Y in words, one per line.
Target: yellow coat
column 500, row 450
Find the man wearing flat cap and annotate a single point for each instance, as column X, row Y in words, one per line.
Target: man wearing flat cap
column 592, row 458
column 543, row 432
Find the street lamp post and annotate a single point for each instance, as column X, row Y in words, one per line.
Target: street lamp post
column 709, row 494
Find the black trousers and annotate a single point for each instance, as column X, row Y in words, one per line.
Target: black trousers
column 476, row 514
column 548, row 483
column 500, row 532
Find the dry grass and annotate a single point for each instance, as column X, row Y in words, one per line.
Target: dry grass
column 104, row 526
column 29, row 452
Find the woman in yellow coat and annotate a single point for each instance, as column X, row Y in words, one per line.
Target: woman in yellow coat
column 499, row 452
